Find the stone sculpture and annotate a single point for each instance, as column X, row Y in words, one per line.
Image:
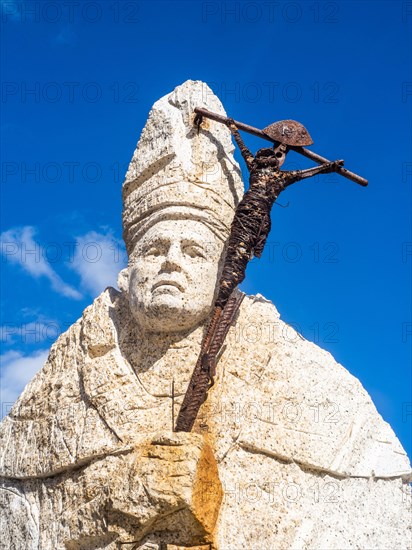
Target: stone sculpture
column 288, row 451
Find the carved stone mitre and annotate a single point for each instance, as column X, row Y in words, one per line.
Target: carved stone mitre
column 178, row 172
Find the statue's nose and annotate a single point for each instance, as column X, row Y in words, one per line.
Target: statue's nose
column 173, row 258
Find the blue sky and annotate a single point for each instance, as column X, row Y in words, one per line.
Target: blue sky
column 78, row 80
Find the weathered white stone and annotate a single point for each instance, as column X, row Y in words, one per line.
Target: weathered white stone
column 288, row 451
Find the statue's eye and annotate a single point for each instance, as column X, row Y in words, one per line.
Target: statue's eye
column 194, row 251
column 154, row 250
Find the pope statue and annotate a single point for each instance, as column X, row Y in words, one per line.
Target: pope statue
column 288, row 450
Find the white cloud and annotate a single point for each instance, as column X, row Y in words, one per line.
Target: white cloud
column 17, row 370
column 19, row 247
column 98, row 259
column 31, row 331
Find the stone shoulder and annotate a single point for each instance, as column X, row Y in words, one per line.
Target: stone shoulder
column 316, row 412
column 49, row 427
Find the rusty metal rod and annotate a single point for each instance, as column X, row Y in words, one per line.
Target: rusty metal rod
column 301, row 150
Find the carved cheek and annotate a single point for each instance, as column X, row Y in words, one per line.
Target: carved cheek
column 206, row 275
column 140, row 277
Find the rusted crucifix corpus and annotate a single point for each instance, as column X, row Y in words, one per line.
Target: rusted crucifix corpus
column 250, row 229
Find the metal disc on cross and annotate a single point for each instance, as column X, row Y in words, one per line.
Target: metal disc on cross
column 289, row 132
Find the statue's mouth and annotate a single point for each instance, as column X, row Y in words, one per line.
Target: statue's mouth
column 168, row 283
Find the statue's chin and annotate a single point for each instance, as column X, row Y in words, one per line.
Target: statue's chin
column 169, row 314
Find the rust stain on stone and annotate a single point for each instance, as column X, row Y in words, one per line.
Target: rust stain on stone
column 207, row 491
column 180, row 472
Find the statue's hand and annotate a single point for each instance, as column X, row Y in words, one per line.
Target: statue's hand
column 169, row 478
column 176, row 439
column 175, row 468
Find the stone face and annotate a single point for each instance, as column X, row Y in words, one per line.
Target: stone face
column 288, row 451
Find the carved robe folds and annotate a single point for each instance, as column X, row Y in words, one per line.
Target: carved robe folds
column 289, row 451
